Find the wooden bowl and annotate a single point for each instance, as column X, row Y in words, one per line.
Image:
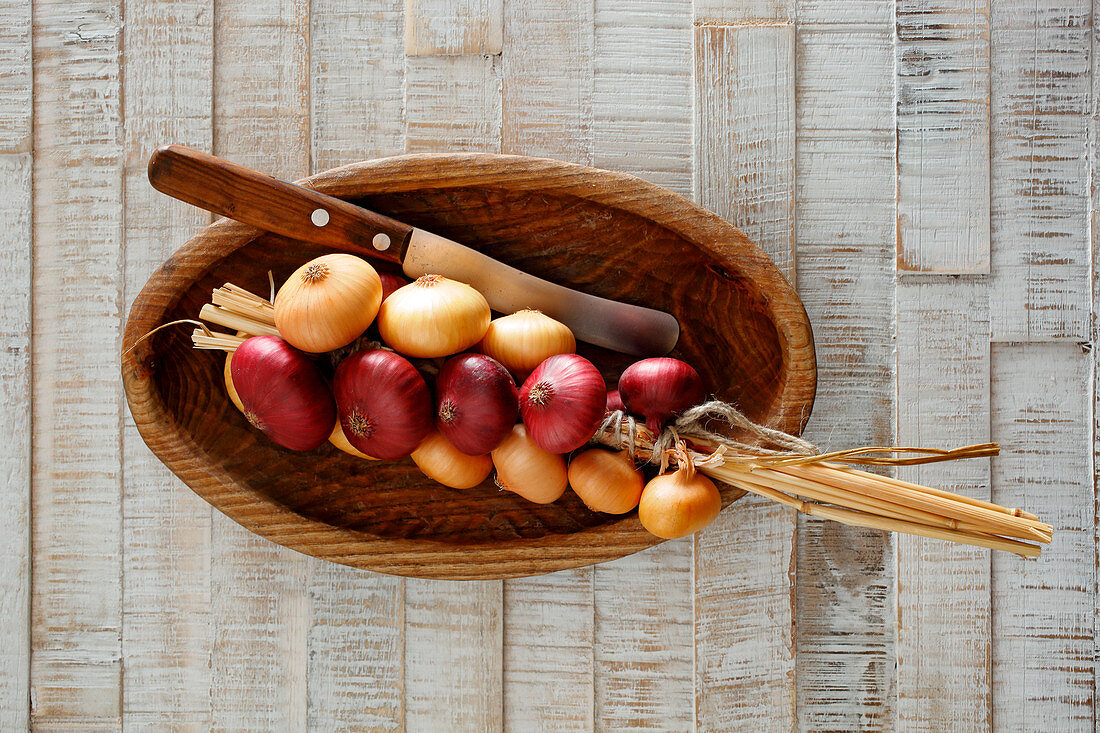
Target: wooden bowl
column 743, row 328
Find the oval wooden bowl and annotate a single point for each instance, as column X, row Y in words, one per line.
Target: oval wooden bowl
column 743, row 328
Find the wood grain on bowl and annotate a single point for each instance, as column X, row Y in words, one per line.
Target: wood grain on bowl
column 613, row 235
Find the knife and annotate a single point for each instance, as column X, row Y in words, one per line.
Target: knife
column 277, row 206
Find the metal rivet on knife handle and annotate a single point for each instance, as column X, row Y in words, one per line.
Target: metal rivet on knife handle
column 381, row 241
column 319, row 217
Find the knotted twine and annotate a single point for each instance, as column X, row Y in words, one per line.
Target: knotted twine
column 768, row 447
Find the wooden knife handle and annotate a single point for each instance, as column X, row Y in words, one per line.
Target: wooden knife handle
column 277, row 206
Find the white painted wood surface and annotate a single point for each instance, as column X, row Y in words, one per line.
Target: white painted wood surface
column 943, row 591
column 744, row 171
column 76, row 490
column 167, row 626
column 446, row 27
column 943, row 135
column 887, row 155
column 16, row 255
column 1040, row 171
column 1043, row 666
column 15, row 421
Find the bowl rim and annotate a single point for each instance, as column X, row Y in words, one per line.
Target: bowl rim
column 428, row 558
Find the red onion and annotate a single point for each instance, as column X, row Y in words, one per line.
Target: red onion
column 385, row 407
column 283, row 393
column 614, row 401
column 659, row 389
column 390, row 283
column 476, row 403
column 562, row 402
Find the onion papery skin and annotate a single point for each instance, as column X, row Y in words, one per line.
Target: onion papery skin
column 659, row 389
column 227, row 373
column 340, row 441
column 614, row 401
column 476, row 403
column 526, row 469
column 442, row 462
column 391, row 283
column 432, row 317
column 384, row 405
column 283, row 393
column 523, row 340
column 677, row 504
column 562, row 402
column 328, row 302
column 606, row 481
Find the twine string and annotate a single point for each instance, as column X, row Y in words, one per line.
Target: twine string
column 181, row 322
column 772, row 448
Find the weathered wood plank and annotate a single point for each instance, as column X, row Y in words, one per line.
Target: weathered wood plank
column 260, row 592
column 453, row 655
column 845, row 615
column 548, row 647
column 452, row 103
column 260, row 606
column 1040, row 111
column 548, row 656
column 744, row 171
column 642, row 124
column 76, row 673
column 453, row 631
column 548, row 114
column 434, row 27
column 1094, row 333
column 744, row 146
column 261, row 85
column 356, row 650
column 1043, row 666
column 943, row 136
column 641, row 102
column 943, row 590
column 850, row 12
column 15, row 364
column 845, row 74
column 644, row 640
column 724, row 12
column 167, row 632
column 357, row 81
column 356, row 641
column 845, row 169
column 15, row 77
column 15, row 422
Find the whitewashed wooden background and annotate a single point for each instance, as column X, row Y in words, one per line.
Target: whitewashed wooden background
column 920, row 168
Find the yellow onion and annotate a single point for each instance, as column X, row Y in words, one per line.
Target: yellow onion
column 679, row 503
column 229, row 388
column 439, row 460
column 606, row 481
column 525, row 339
column 525, row 469
column 433, row 316
column 338, row 439
column 327, row 303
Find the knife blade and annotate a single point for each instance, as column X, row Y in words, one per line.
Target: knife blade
column 284, row 208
